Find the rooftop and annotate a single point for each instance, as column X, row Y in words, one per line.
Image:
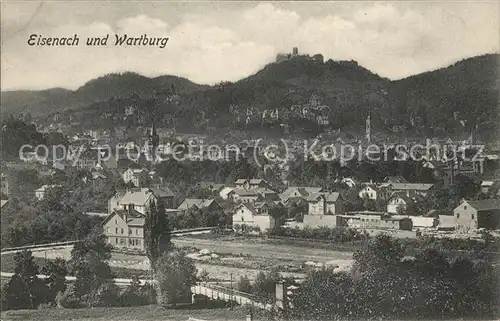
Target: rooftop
column 485, row 205
column 195, row 202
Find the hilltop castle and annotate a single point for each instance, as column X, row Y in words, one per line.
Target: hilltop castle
column 295, row 55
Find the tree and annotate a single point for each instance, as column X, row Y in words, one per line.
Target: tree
column 265, row 284
column 323, row 293
column 56, row 272
column 278, row 213
column 244, row 285
column 135, row 294
column 156, row 233
column 89, row 265
column 24, row 290
column 381, row 252
column 175, row 274
column 204, row 276
column 297, row 210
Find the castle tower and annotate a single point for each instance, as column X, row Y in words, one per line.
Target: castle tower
column 368, row 128
column 154, row 141
column 295, row 51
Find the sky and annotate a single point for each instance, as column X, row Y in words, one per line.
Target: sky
column 210, row 42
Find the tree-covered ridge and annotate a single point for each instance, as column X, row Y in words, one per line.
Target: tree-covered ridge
column 444, row 102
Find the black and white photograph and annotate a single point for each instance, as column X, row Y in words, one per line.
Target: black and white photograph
column 250, row 160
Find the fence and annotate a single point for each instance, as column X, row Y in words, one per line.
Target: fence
column 217, row 292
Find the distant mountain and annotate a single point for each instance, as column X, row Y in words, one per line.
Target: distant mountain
column 110, row 86
column 22, row 101
column 445, row 102
column 461, row 96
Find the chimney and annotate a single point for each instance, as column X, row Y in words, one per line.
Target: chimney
column 128, row 212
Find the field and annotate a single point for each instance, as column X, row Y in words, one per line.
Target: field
column 8, row 265
column 235, row 257
column 269, row 248
column 145, row 313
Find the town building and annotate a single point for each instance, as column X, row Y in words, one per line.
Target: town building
column 42, row 191
column 395, row 179
column 246, row 195
column 488, row 184
column 197, row 203
column 409, row 189
column 398, row 203
column 251, row 183
column 5, row 185
column 350, row 181
column 211, row 186
column 141, row 198
column 253, row 215
column 226, row 192
column 323, row 210
column 325, row 204
column 298, row 193
column 472, row 215
column 370, row 191
column 124, row 228
column 423, row 223
column 99, row 180
column 138, row 177
column 374, row 220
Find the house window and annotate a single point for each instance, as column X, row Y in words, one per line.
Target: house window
column 465, row 207
column 122, row 231
column 130, row 242
column 107, row 230
column 116, row 240
column 138, row 242
column 242, row 219
column 136, row 231
column 116, row 230
column 472, row 216
column 123, row 241
column 458, row 215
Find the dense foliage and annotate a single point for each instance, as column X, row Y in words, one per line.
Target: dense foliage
column 264, row 285
column 156, row 233
column 432, row 103
column 386, row 284
column 94, row 285
column 335, row 234
column 175, row 273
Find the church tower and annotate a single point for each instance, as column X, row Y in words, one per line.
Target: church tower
column 368, row 128
column 154, row 141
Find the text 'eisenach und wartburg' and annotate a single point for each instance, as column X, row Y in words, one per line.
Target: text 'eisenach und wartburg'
column 118, row 40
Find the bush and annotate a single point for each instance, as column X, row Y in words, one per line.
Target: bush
column 244, row 285
column 334, row 234
column 68, row 299
column 175, row 274
column 134, row 294
column 383, row 284
column 108, row 295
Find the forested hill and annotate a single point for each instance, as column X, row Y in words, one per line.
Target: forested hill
column 454, row 99
column 110, row 86
column 466, row 92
